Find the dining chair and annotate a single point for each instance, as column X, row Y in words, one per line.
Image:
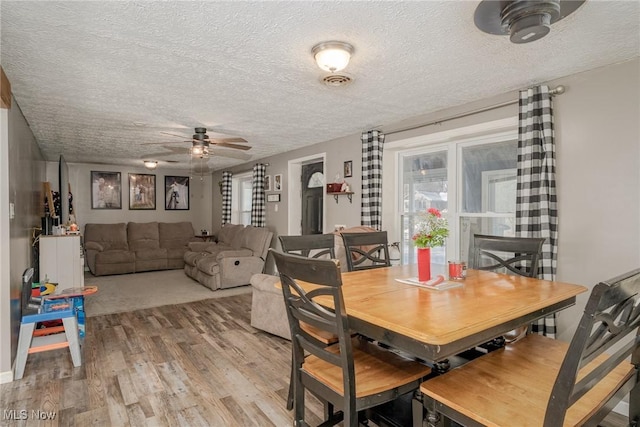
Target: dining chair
column 350, row 376
column 539, row 381
column 366, row 250
column 510, row 255
column 309, row 245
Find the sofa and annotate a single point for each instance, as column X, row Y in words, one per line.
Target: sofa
column 268, row 312
column 239, row 253
column 135, row 247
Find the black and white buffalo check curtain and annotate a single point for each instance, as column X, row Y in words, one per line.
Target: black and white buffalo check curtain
column 371, row 208
column 226, row 197
column 258, row 207
column 536, row 204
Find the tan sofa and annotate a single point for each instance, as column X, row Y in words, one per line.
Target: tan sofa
column 267, row 306
column 135, row 247
column 239, row 254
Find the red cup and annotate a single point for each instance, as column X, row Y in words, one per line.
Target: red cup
column 457, row 270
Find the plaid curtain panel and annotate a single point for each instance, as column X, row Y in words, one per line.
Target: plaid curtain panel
column 536, row 203
column 258, row 207
column 226, row 197
column 371, row 207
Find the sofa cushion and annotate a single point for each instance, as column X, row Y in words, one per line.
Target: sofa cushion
column 192, row 258
column 151, row 254
column 115, row 257
column 175, row 234
column 228, row 233
column 109, row 236
column 143, row 236
column 208, row 265
column 257, row 239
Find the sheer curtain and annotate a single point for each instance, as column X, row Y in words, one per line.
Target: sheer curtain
column 536, row 203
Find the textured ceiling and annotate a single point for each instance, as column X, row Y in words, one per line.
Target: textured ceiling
column 97, row 80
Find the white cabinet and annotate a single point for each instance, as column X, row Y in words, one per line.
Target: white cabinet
column 62, row 261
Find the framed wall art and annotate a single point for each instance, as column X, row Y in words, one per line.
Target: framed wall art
column 106, row 190
column 176, row 193
column 273, row 197
column 348, row 168
column 277, row 182
column 267, row 183
column 142, row 191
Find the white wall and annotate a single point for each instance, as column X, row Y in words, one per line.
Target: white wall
column 200, row 207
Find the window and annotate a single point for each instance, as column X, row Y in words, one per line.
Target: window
column 241, row 195
column 473, row 179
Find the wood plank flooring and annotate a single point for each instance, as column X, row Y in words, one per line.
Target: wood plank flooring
column 194, row 364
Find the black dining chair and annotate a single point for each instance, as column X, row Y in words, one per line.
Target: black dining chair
column 309, row 245
column 539, row 381
column 510, row 255
column 350, row 376
column 366, row 250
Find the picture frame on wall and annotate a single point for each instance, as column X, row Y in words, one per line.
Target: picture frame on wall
column 106, row 190
column 273, row 197
column 277, row 182
column 267, row 183
column 348, row 168
column 142, row 191
column 176, row 193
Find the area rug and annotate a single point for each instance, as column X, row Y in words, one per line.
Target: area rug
column 129, row 292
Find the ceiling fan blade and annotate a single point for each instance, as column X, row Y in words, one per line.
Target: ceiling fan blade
column 173, row 134
column 230, row 154
column 225, row 145
column 219, row 140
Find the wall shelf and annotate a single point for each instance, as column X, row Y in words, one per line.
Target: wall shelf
column 335, row 195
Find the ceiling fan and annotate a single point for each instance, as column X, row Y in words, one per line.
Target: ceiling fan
column 200, row 138
column 201, row 146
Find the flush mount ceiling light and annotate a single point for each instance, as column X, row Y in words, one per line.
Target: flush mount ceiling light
column 150, row 164
column 332, row 56
column 524, row 20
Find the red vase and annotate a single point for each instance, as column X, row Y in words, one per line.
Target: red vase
column 424, row 264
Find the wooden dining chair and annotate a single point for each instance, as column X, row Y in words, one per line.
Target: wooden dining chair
column 309, row 245
column 366, row 250
column 539, row 381
column 350, row 376
column 510, row 255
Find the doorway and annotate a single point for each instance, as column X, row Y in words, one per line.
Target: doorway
column 312, row 197
column 295, row 193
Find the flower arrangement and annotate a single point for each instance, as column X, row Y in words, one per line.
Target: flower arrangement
column 431, row 230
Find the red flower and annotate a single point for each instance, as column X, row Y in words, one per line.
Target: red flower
column 434, row 211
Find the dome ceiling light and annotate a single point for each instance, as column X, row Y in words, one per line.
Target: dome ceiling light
column 150, row 164
column 332, row 56
column 524, row 20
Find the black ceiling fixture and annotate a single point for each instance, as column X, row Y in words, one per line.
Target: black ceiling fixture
column 524, row 20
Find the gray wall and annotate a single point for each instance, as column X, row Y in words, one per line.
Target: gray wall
column 199, row 213
column 24, row 173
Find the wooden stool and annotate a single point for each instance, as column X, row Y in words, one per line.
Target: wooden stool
column 34, row 340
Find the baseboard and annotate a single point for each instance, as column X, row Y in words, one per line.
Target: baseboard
column 6, row 377
column 622, row 408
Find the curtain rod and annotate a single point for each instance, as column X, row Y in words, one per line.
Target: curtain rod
column 557, row 91
column 246, row 170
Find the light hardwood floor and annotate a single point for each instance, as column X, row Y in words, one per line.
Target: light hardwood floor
column 194, row 364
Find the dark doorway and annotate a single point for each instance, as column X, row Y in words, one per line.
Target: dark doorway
column 312, row 198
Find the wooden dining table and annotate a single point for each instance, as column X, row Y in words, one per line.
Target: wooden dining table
column 434, row 325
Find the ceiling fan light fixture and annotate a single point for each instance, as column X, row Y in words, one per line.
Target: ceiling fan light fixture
column 150, row 164
column 524, row 21
column 332, row 56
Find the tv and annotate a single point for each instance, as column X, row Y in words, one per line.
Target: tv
column 63, row 182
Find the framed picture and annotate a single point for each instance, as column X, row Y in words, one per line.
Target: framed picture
column 277, row 182
column 348, row 168
column 106, row 190
column 142, row 191
column 267, row 183
column 273, row 197
column 176, row 193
